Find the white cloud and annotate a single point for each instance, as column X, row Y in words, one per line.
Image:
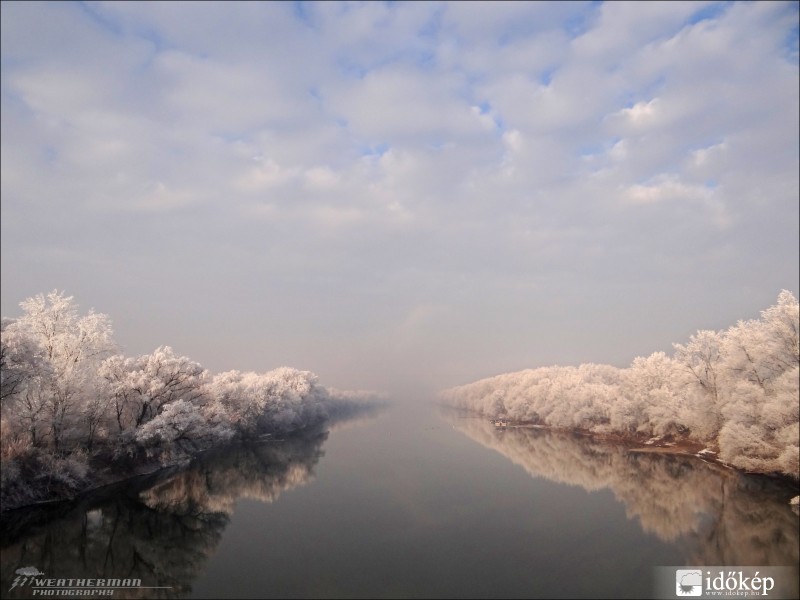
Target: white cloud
column 641, row 112
column 321, row 178
column 161, row 198
column 666, row 189
column 703, row 157
column 370, row 158
column 401, row 103
column 267, row 174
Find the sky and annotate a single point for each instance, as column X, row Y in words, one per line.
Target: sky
column 401, row 196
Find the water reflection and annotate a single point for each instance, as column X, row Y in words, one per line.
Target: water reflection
column 717, row 516
column 409, row 508
column 160, row 529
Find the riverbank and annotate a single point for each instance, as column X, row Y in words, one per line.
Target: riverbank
column 34, row 484
column 668, row 445
column 100, row 476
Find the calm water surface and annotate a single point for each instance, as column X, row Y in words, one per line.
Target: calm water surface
column 412, row 502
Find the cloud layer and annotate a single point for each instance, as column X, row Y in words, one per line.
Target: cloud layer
column 405, row 193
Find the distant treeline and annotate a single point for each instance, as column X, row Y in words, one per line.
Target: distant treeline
column 736, row 391
column 73, row 408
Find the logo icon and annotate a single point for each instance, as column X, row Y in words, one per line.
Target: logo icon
column 688, row 582
column 24, row 575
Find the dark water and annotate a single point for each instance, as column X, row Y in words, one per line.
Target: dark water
column 413, row 502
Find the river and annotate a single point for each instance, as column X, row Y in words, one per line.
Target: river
column 412, row 501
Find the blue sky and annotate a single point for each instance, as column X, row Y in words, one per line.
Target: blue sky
column 407, row 195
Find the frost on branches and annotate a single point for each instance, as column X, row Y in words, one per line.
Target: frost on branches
column 70, row 404
column 734, row 390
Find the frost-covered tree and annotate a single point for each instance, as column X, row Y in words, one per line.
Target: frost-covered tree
column 67, row 398
column 180, row 430
column 294, row 398
column 19, row 360
column 64, row 351
column 24, row 417
column 284, row 399
column 746, row 351
column 761, row 429
column 761, row 350
column 67, row 339
column 700, row 360
column 114, row 371
column 648, row 383
column 142, row 387
column 735, row 390
column 782, row 321
column 22, row 402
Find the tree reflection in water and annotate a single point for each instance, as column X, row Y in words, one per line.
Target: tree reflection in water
column 162, row 530
column 717, row 516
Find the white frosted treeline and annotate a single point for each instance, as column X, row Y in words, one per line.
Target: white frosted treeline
column 735, row 391
column 69, row 400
